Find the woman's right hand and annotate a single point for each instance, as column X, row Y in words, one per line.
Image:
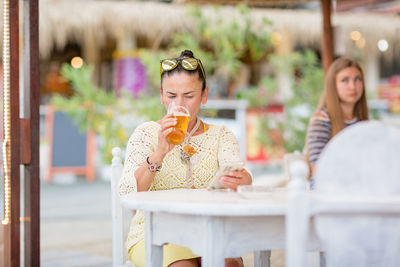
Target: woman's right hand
column 167, row 123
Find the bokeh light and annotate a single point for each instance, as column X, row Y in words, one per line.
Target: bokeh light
column 383, row 45
column 76, row 62
column 355, row 35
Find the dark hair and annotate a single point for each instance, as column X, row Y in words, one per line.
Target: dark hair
column 187, row 54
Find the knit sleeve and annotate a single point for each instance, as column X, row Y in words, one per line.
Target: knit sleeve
column 228, row 150
column 318, row 135
column 140, row 145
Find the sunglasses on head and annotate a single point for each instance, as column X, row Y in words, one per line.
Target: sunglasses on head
column 186, row 63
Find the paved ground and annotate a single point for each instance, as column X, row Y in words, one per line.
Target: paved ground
column 76, row 224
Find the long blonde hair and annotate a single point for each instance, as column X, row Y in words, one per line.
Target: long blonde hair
column 330, row 98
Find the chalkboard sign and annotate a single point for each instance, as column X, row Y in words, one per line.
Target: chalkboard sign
column 69, row 145
column 70, row 150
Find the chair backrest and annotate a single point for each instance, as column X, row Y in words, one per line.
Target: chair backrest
column 117, row 213
column 119, row 217
column 289, row 158
column 356, row 202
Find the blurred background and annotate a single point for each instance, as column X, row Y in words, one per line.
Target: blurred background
column 100, row 78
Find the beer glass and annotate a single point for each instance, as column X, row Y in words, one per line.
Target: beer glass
column 182, row 114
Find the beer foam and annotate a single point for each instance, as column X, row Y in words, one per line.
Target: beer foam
column 180, row 114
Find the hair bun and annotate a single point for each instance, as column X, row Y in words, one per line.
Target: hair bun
column 187, row 53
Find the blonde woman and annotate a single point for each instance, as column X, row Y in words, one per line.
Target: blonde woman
column 343, row 103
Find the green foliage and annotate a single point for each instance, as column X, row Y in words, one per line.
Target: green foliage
column 224, row 45
column 151, row 59
column 306, row 90
column 259, row 96
column 149, row 107
column 94, row 109
column 309, row 81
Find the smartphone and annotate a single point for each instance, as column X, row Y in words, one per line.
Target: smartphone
column 224, row 170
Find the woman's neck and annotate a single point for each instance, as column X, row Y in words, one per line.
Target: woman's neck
column 348, row 111
column 192, row 123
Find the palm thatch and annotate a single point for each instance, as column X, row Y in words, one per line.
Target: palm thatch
column 62, row 21
column 263, row 3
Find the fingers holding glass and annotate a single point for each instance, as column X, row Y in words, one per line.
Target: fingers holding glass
column 168, row 122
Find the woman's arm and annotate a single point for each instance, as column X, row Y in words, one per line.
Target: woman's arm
column 142, row 161
column 318, row 135
column 145, row 173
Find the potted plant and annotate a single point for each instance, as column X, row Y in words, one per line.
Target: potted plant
column 277, row 124
column 263, row 138
column 94, row 109
column 300, row 104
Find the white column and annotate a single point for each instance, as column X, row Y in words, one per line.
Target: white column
column 283, row 46
column 371, row 69
column 125, row 41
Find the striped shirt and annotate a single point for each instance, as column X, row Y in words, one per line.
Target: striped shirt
column 319, row 133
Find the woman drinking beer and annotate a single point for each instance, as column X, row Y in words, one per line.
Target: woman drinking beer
column 156, row 159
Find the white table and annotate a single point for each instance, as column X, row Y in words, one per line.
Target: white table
column 214, row 225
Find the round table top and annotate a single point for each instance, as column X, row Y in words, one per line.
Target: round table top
column 212, row 203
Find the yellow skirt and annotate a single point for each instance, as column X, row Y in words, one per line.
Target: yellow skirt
column 171, row 254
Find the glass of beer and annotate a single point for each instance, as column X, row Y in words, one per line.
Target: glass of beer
column 182, row 115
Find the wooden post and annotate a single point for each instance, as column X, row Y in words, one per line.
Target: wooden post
column 12, row 227
column 91, row 53
column 327, row 34
column 24, row 133
column 31, row 221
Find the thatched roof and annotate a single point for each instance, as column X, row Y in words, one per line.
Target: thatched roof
column 264, row 3
column 64, row 20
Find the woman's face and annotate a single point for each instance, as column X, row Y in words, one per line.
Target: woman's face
column 184, row 90
column 349, row 85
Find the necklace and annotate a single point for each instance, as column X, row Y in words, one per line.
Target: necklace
column 187, row 151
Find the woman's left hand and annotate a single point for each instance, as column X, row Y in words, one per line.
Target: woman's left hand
column 236, row 178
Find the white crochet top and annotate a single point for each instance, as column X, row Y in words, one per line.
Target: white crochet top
column 216, row 147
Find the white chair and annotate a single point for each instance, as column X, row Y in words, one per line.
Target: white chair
column 288, row 159
column 355, row 207
column 119, row 217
